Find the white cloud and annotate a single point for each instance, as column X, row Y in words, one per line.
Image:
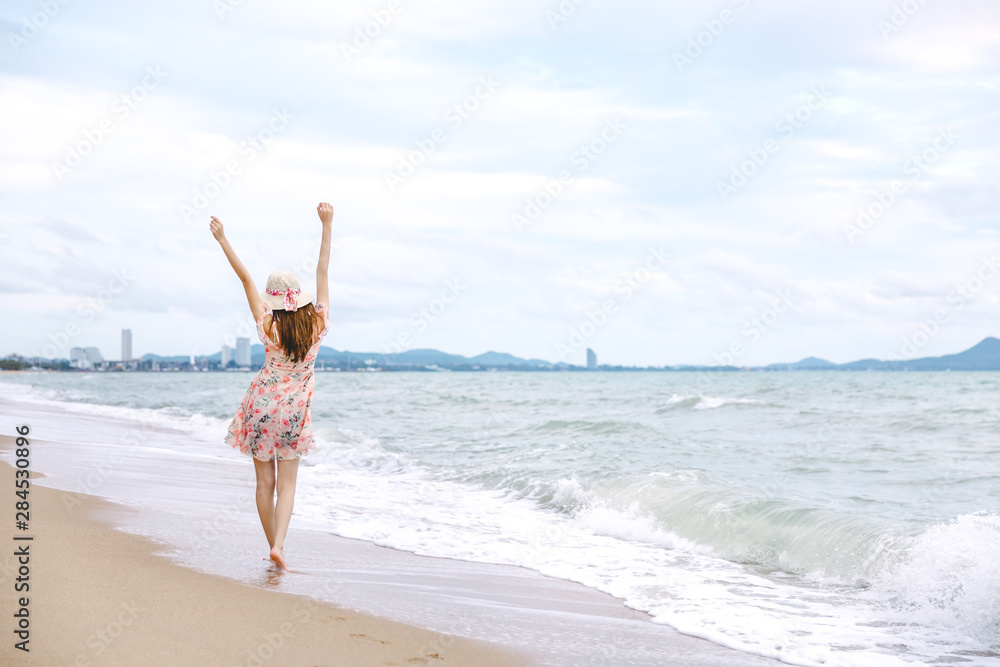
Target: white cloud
column 655, row 185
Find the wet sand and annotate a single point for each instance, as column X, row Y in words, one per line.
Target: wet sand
column 99, row 596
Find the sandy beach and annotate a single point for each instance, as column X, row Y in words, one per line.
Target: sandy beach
column 104, row 597
column 99, row 596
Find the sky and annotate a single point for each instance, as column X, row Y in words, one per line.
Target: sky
column 741, row 182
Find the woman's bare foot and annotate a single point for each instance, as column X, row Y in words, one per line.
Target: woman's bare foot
column 279, row 558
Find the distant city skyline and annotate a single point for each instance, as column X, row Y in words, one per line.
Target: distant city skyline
column 984, row 356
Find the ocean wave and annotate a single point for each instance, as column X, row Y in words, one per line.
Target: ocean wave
column 358, row 450
column 949, row 576
column 23, row 392
column 746, row 526
column 601, row 427
column 619, row 537
column 702, row 402
column 633, row 525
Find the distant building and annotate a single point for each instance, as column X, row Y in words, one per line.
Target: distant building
column 591, row 359
column 126, row 345
column 85, row 357
column 243, row 352
column 227, row 354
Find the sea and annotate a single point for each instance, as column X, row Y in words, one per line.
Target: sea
column 820, row 518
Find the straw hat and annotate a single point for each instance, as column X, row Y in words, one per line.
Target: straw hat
column 283, row 292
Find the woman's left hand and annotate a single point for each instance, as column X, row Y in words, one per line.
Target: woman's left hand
column 325, row 213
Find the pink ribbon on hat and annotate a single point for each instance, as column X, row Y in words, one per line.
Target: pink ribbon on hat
column 291, row 297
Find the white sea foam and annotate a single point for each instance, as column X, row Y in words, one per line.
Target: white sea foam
column 949, row 578
column 624, row 553
column 569, row 493
column 702, row 402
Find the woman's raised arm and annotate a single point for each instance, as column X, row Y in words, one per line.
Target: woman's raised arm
column 253, row 298
column 323, row 264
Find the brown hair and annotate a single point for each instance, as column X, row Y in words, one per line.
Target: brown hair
column 297, row 330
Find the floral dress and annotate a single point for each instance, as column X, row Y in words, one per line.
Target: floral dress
column 273, row 421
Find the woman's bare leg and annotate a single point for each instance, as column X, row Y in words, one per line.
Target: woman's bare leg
column 265, row 497
column 287, row 472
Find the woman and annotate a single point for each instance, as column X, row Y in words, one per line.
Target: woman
column 273, row 424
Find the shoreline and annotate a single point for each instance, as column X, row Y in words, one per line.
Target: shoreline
column 202, row 521
column 103, row 596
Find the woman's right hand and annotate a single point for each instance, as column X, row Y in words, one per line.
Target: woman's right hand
column 216, row 226
column 325, row 213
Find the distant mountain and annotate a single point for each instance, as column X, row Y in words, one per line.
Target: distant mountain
column 865, row 365
column 423, row 357
column 504, row 359
column 984, row 356
column 807, row 364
